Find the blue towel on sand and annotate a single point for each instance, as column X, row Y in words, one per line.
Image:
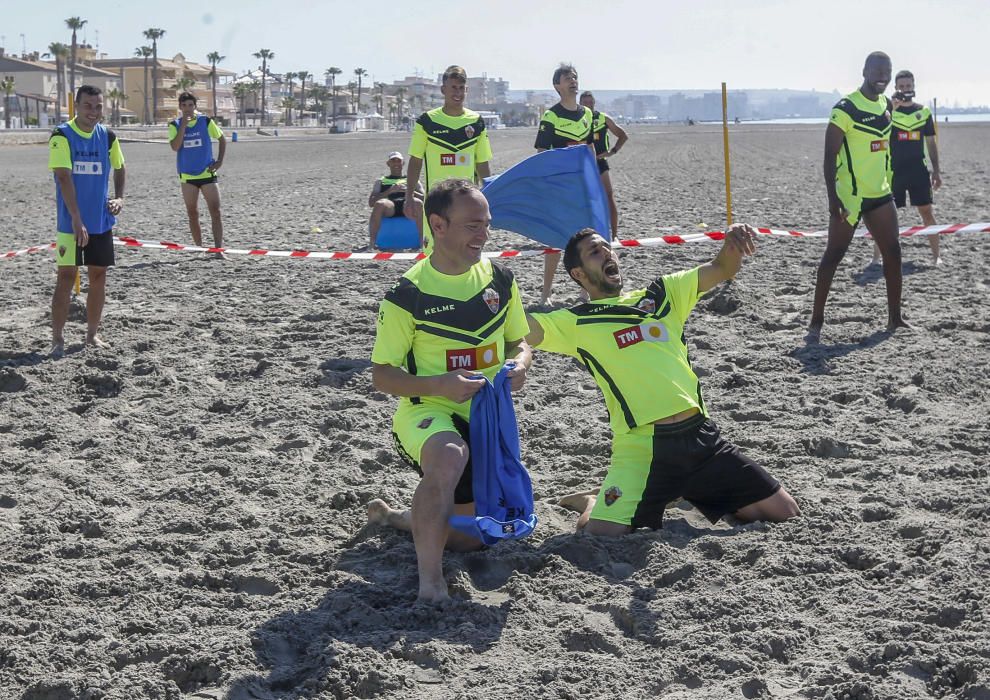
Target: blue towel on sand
column 550, row 196
column 503, row 493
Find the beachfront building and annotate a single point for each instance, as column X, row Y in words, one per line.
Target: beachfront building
column 36, row 86
column 140, row 90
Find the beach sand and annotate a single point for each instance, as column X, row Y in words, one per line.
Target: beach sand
column 184, row 516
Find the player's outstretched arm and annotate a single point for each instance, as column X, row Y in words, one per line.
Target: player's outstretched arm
column 518, row 351
column 535, row 335
column 740, row 241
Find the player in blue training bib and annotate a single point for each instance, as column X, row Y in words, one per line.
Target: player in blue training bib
column 190, row 136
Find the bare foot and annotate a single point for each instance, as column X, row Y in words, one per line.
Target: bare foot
column 219, row 255
column 378, row 512
column 892, row 326
column 937, row 262
column 433, row 592
column 875, row 262
column 814, row 334
column 58, row 350
column 578, row 502
column 97, row 342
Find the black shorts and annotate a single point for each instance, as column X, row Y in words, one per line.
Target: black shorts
column 603, row 166
column 399, row 206
column 464, row 491
column 915, row 182
column 98, row 250
column 691, row 460
column 199, row 182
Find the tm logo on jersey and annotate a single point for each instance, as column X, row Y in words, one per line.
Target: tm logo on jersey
column 908, row 135
column 472, row 358
column 87, row 167
column 649, row 332
column 876, row 146
column 448, row 159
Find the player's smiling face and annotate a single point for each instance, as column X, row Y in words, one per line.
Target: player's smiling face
column 877, row 74
column 89, row 111
column 454, row 91
column 600, row 266
column 462, row 235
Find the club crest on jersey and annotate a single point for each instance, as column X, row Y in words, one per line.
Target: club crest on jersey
column 613, row 494
column 648, row 332
column 646, row 304
column 469, row 131
column 491, row 298
column 61, row 251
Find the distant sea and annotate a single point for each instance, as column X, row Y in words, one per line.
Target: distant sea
column 953, row 118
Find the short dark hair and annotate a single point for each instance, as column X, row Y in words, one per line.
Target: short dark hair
column 876, row 56
column 186, row 96
column 87, row 90
column 586, row 93
column 441, row 196
column 572, row 254
column 904, row 74
column 564, row 69
column 454, row 72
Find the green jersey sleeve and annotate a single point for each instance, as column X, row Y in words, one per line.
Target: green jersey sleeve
column 558, row 331
column 59, row 155
column 116, row 155
column 483, row 150
column 215, row 131
column 417, row 147
column 394, row 337
column 682, row 290
column 840, row 119
column 516, row 326
column 172, row 131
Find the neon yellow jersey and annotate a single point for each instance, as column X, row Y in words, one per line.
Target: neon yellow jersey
column 863, row 163
column 634, row 347
column 430, row 323
column 450, row 146
column 560, row 127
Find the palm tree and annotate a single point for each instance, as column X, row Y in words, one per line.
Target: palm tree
column 116, row 97
column 359, row 72
column 73, row 23
column 7, row 85
column 214, row 58
column 145, row 53
column 265, row 55
column 331, row 74
column 287, row 104
column 256, row 87
column 400, row 98
column 319, row 95
column 381, row 97
column 303, row 77
column 182, row 84
column 290, row 76
column 241, row 92
column 154, row 34
column 59, row 51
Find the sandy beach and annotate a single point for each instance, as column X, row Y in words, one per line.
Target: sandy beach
column 183, row 516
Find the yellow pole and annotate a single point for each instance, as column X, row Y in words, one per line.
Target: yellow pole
column 725, row 147
column 72, row 113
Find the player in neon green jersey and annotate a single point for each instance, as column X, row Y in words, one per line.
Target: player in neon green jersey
column 912, row 147
column 664, row 446
column 602, row 126
column 857, row 164
column 81, row 154
column 565, row 124
column 451, row 317
column 388, row 196
column 448, row 142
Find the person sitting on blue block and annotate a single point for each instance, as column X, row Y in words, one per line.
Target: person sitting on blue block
column 388, row 197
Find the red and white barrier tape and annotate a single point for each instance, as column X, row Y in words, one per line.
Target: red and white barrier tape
column 628, row 243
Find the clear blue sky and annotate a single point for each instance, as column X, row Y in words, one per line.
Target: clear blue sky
column 636, row 44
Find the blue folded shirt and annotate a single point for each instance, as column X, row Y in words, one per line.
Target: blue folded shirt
column 503, row 493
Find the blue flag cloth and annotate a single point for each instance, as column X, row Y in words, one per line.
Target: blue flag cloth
column 550, row 196
column 503, row 493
